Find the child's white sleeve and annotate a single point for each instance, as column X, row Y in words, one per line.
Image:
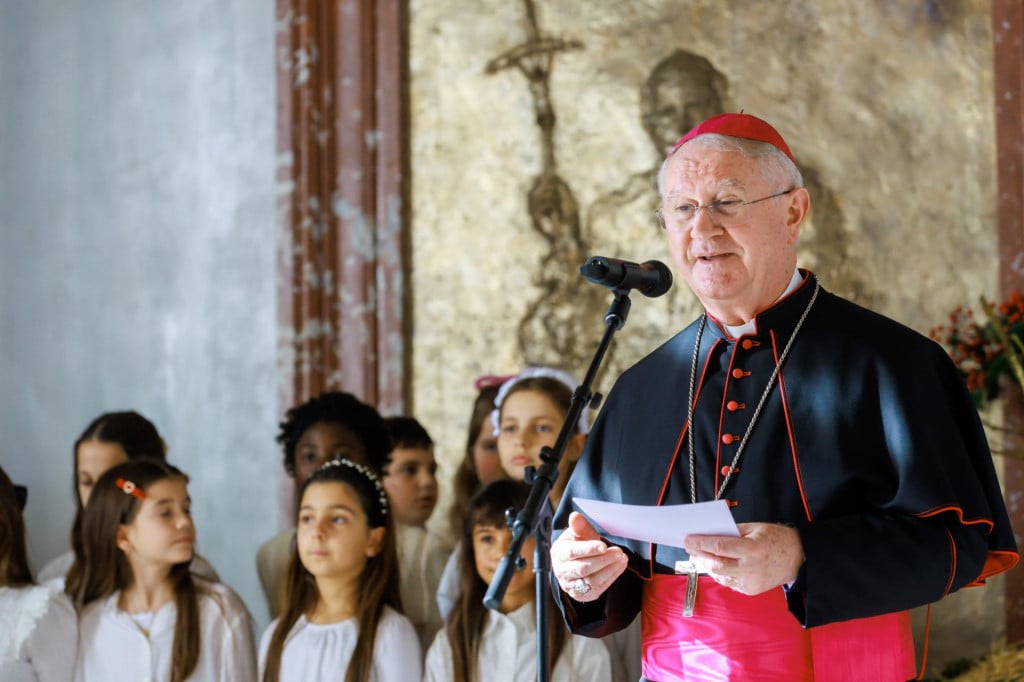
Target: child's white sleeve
column 590, row 659
column 52, row 647
column 261, row 657
column 438, row 666
column 448, row 585
column 397, row 655
column 238, row 663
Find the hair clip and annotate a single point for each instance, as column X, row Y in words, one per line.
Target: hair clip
column 488, row 380
column 365, row 471
column 130, row 488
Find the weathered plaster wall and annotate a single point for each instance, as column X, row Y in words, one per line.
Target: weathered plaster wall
column 137, row 254
column 887, row 106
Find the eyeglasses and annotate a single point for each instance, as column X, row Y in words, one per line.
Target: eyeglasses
column 721, row 213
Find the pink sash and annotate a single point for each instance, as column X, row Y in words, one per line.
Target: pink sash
column 732, row 636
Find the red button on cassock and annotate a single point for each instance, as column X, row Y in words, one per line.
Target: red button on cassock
column 732, row 406
column 729, row 438
column 749, row 343
column 739, row 374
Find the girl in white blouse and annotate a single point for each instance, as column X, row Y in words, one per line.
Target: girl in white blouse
column 342, row 609
column 479, row 645
column 38, row 626
column 143, row 615
column 109, row 439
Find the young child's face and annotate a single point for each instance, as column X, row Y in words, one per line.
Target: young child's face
column 490, row 543
column 323, row 442
column 529, row 421
column 410, row 480
column 92, row 459
column 332, row 536
column 161, row 534
column 485, row 455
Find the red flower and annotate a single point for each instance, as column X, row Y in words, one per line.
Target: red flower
column 985, row 352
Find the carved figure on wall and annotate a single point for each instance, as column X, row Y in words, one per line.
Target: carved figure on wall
column 681, row 90
column 554, row 325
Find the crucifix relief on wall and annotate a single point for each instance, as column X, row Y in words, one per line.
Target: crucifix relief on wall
column 557, row 328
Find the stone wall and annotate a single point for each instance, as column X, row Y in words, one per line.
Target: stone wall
column 534, row 145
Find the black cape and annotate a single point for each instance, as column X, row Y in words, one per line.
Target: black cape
column 868, row 443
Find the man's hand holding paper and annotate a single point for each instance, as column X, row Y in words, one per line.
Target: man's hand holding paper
column 750, row 558
column 764, row 556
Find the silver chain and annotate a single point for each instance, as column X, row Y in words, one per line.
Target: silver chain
column 757, row 410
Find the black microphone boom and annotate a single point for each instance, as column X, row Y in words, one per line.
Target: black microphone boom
column 651, row 278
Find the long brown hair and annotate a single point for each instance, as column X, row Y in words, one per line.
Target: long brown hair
column 377, row 586
column 101, row 567
column 14, row 570
column 136, row 435
column 466, row 621
column 466, row 480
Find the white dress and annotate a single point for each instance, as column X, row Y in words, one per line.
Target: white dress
column 421, row 558
column 315, row 652
column 508, row 653
column 448, row 585
column 112, row 647
column 38, row 635
column 272, row 560
column 623, row 646
column 57, row 568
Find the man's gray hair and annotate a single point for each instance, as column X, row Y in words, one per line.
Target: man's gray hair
column 776, row 167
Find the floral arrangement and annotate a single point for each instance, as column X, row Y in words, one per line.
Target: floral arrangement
column 985, row 351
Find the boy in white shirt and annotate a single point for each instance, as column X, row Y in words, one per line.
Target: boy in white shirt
column 411, row 484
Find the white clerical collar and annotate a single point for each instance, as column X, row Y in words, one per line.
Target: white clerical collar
column 750, row 327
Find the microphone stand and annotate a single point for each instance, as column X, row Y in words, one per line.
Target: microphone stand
column 535, row 517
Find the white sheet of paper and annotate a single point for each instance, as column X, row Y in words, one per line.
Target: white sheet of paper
column 661, row 525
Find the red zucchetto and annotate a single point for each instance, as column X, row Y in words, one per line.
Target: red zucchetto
column 738, row 125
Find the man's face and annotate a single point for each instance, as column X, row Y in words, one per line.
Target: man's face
column 738, row 268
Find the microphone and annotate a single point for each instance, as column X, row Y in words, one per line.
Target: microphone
column 651, row 278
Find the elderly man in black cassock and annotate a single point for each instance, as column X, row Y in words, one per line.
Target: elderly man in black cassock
column 845, row 444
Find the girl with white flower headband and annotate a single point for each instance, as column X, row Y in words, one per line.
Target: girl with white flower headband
column 540, row 400
column 343, row 611
column 528, row 414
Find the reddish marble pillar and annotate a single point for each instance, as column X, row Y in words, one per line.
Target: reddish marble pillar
column 341, row 123
column 1008, row 54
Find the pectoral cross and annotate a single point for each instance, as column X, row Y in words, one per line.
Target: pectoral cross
column 690, row 570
